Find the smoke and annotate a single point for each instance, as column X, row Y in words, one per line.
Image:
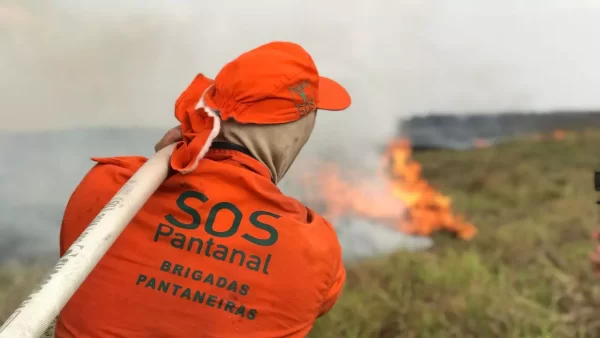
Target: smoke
column 82, row 63
column 87, row 63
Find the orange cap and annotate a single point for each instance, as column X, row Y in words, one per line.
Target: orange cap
column 274, row 83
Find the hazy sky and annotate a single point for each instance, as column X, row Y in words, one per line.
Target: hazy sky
column 84, row 62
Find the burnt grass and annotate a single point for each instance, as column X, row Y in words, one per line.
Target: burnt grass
column 526, row 273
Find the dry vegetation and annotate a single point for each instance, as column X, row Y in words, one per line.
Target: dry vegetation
column 526, row 274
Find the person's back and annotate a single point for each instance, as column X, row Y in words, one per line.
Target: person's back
column 221, row 248
column 218, row 250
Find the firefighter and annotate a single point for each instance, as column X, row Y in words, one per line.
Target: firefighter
column 218, row 250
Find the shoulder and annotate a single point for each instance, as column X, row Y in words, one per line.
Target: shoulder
column 111, row 171
column 327, row 238
column 123, row 162
column 108, row 174
column 93, row 192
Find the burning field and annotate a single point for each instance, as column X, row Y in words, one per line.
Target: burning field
column 524, row 210
column 510, row 222
column 402, row 198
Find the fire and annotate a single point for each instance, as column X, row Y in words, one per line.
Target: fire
column 558, row 134
column 405, row 200
column 427, row 210
column 481, row 143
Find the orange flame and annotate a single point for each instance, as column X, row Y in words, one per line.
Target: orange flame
column 405, row 200
column 481, row 143
column 558, row 134
column 428, row 210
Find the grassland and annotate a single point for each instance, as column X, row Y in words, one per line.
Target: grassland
column 526, row 274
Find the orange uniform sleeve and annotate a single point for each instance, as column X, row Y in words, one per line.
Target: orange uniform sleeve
column 338, row 275
column 91, row 195
column 335, row 289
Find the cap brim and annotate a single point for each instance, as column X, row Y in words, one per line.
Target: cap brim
column 332, row 96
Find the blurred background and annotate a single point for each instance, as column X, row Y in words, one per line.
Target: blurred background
column 472, row 117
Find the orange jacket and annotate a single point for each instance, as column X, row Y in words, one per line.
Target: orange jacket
column 219, row 252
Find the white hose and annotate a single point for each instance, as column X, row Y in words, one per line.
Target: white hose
column 42, row 306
